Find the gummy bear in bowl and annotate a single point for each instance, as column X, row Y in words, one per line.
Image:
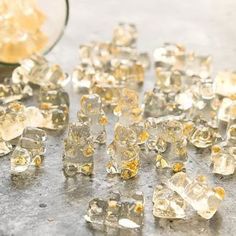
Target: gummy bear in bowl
column 30, row 26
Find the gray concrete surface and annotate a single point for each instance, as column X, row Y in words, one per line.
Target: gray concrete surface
column 48, row 204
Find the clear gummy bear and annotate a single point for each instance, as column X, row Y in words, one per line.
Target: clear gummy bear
column 78, row 150
column 128, row 110
column 223, row 154
column 117, row 211
column 167, row 138
column 37, row 70
column 29, row 150
column 204, row 199
column 13, row 92
column 54, row 106
column 91, row 112
column 124, row 153
column 167, row 203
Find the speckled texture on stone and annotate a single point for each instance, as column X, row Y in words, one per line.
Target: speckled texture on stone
column 47, row 203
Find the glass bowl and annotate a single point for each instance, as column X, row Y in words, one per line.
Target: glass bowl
column 29, row 26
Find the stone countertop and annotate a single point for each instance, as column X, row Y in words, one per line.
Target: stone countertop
column 47, row 203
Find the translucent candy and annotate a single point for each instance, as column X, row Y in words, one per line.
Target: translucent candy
column 205, row 104
column 155, row 142
column 34, row 133
column 125, row 34
column 157, row 103
column 116, row 212
column 167, row 203
column 53, row 114
column 91, row 111
column 227, row 110
column 13, row 120
column 83, row 77
column 173, row 135
column 78, row 150
column 53, row 96
column 231, row 133
column 166, row 136
column 128, row 109
column 225, row 84
column 55, row 75
column 203, row 199
column 126, row 67
column 31, row 69
column 37, row 70
column 54, row 105
column 14, row 92
column 169, row 81
column 175, row 57
column 197, row 65
column 127, row 72
column 85, row 51
column 141, row 132
column 169, row 56
column 107, row 88
column 161, row 162
column 29, row 151
column 96, row 54
column 223, row 159
column 105, row 67
column 184, row 101
column 203, row 135
column 124, row 152
column 35, row 117
column 223, row 154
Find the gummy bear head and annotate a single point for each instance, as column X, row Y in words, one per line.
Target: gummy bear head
column 128, row 101
column 79, row 132
column 125, row 135
column 91, row 104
